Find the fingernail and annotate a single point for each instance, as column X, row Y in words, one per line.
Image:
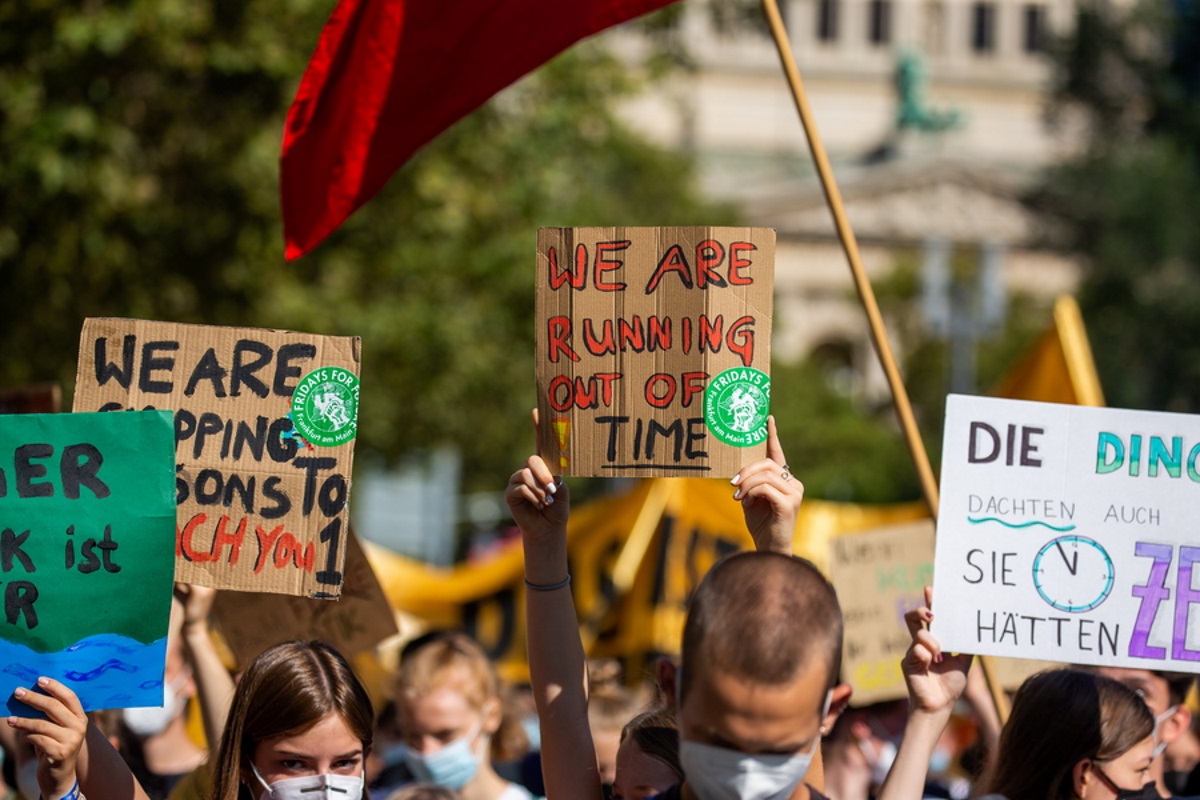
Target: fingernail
column 19, row 692
column 736, row 479
column 938, row 658
column 551, row 487
column 550, row 500
column 737, row 495
column 43, row 681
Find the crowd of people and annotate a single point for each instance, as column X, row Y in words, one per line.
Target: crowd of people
column 754, row 707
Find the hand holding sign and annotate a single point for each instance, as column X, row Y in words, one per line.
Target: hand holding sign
column 58, row 738
column 770, row 497
column 540, row 504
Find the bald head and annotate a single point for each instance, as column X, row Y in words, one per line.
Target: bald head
column 762, row 617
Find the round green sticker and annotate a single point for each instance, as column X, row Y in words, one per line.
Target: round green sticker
column 325, row 406
column 736, row 405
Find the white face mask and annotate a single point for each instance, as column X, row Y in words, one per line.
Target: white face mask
column 313, row 787
column 148, row 721
column 717, row 773
column 1160, row 746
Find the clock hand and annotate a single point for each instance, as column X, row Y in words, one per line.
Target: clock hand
column 1073, row 562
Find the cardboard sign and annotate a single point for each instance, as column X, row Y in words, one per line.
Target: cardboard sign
column 653, row 349
column 879, row 577
column 1069, row 533
column 87, row 514
column 264, row 428
column 362, row 618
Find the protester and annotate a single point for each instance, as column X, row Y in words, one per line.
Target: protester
column 1072, row 735
column 154, row 739
column 1165, row 694
column 451, row 718
column 761, row 647
column 300, row 725
column 610, row 707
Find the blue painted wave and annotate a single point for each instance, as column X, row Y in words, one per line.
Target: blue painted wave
column 1017, row 526
column 106, row 671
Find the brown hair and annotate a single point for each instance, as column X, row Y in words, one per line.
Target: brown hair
column 762, row 617
column 286, row 690
column 456, row 661
column 656, row 733
column 1059, row 718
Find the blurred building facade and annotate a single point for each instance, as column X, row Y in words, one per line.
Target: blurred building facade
column 934, row 115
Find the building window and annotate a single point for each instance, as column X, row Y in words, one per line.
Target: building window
column 983, row 27
column 827, row 20
column 879, row 28
column 1034, row 39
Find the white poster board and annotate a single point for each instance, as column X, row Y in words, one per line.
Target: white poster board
column 1069, row 533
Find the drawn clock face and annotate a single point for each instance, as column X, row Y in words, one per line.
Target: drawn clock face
column 1073, row 573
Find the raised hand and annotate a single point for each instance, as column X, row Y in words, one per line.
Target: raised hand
column 935, row 679
column 770, row 496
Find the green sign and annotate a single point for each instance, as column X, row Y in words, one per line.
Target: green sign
column 87, row 553
column 325, row 406
column 736, row 405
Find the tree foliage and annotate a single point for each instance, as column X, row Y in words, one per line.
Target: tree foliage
column 140, row 179
column 1128, row 199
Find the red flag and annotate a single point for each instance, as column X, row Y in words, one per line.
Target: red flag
column 388, row 76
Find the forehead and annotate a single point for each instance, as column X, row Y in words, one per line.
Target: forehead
column 640, row 774
column 441, row 708
column 734, row 711
column 331, row 736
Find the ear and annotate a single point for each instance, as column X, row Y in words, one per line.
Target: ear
column 666, row 672
column 1173, row 726
column 1081, row 777
column 493, row 715
column 839, row 698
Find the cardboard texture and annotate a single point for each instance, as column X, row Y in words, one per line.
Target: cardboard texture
column 1068, row 533
column 653, row 349
column 264, row 426
column 87, row 511
column 362, row 618
column 879, row 576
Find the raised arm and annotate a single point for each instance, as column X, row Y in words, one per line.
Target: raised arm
column 770, row 496
column 540, row 504
column 214, row 684
column 72, row 754
column 935, row 681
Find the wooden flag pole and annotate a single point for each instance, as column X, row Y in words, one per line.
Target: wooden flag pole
column 866, row 294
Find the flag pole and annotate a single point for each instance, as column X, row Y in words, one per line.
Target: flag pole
column 866, row 294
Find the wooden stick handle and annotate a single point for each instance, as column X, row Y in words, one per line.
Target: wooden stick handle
column 912, row 435
column 866, row 294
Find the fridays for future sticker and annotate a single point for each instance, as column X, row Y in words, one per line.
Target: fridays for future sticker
column 736, row 405
column 325, row 406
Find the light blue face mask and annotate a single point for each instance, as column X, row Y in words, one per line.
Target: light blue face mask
column 452, row 766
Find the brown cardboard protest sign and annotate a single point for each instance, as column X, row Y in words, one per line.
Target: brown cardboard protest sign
column 265, row 423
column 362, row 618
column 879, row 576
column 653, row 349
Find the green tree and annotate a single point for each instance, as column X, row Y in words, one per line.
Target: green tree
column 1127, row 201
column 140, row 178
